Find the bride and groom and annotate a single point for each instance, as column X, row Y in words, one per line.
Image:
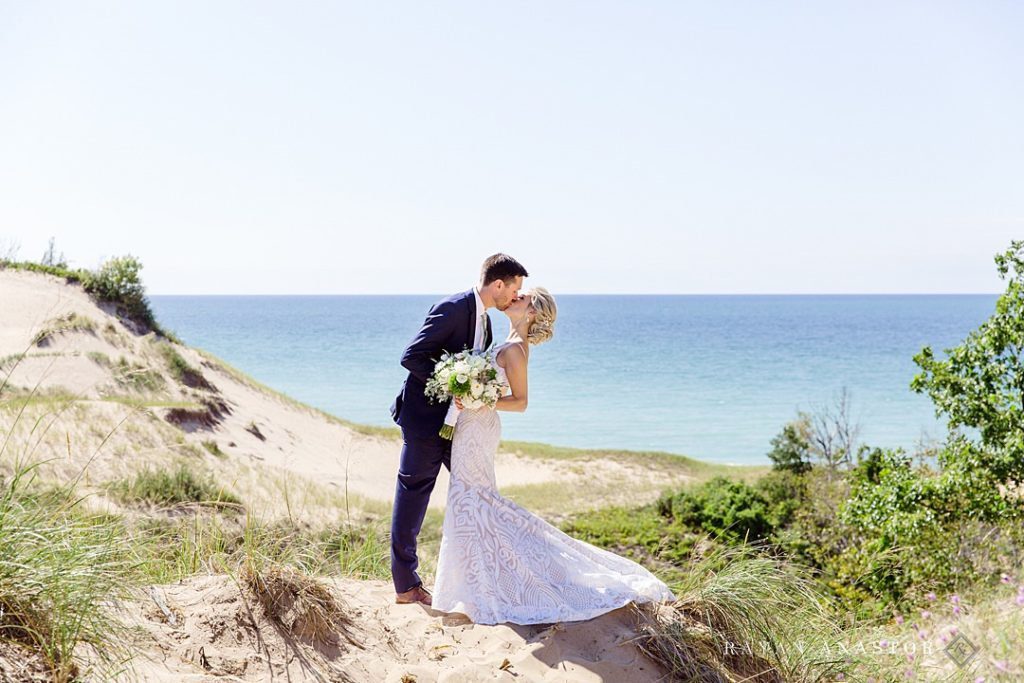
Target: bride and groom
column 498, row 562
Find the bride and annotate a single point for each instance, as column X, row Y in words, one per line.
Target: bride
column 498, row 561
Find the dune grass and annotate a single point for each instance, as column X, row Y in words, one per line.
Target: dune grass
column 180, row 485
column 741, row 616
column 60, row 567
column 136, row 377
column 70, row 322
column 180, row 369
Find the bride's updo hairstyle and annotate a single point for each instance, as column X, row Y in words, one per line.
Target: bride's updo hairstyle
column 543, row 327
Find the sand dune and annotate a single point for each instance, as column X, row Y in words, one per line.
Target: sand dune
column 101, row 401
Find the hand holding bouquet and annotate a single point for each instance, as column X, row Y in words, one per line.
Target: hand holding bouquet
column 471, row 376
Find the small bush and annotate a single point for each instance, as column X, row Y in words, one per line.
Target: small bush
column 785, row 492
column 117, row 281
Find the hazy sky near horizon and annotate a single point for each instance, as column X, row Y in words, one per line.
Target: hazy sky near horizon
column 364, row 147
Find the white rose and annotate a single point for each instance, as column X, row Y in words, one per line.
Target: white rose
column 462, row 378
column 476, row 389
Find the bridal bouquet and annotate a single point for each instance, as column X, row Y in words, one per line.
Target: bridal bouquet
column 469, row 375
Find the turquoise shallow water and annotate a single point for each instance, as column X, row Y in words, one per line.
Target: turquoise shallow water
column 714, row 377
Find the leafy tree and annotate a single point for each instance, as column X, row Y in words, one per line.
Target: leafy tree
column 791, row 448
column 918, row 516
column 980, row 383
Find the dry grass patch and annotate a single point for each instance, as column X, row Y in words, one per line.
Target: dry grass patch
column 299, row 604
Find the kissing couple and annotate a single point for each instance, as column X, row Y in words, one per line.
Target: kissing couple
column 498, row 562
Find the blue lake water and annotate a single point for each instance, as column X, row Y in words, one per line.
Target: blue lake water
column 713, row 377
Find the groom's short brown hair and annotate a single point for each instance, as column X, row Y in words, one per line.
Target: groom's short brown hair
column 501, row 267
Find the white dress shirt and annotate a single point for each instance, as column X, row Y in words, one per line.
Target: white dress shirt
column 481, row 311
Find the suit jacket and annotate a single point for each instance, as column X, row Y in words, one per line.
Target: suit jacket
column 450, row 326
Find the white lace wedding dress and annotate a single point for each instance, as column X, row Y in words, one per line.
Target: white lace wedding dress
column 501, row 563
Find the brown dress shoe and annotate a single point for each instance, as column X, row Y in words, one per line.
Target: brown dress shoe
column 415, row 594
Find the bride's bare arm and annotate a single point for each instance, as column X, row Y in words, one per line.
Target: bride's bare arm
column 515, row 370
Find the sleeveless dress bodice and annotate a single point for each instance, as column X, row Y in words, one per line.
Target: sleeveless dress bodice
column 499, row 562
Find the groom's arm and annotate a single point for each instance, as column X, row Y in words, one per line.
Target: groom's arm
column 421, row 354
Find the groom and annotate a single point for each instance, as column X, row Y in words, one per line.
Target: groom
column 453, row 324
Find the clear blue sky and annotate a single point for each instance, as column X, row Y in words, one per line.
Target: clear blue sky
column 301, row 147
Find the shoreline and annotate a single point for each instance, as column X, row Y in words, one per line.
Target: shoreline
column 536, row 449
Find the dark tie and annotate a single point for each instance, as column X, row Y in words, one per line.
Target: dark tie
column 487, row 331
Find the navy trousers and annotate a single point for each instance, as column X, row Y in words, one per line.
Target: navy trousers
column 421, row 460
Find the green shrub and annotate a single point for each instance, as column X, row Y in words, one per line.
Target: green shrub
column 731, row 510
column 785, row 492
column 117, row 281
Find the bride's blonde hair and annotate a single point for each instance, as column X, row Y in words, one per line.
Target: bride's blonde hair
column 543, row 327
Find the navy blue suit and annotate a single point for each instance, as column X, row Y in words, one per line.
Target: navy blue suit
column 450, row 326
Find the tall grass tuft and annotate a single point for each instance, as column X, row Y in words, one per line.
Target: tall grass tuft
column 59, row 569
column 362, row 552
column 178, row 486
column 740, row 616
